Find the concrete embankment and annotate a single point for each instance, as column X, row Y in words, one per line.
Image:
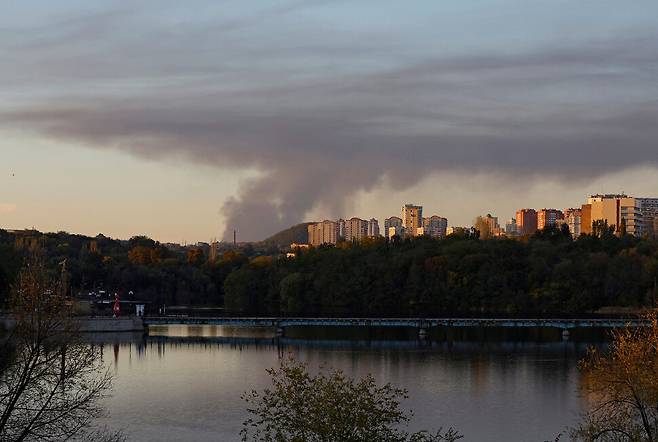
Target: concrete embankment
column 94, row 325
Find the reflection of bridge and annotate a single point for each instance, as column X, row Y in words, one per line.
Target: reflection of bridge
column 363, row 344
column 422, row 324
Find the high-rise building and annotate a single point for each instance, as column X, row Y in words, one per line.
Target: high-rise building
column 373, row 228
column 573, row 218
column 356, row 229
column 620, row 211
column 412, row 219
column 435, row 226
column 526, row 221
column 510, row 227
column 649, row 210
column 393, row 226
column 494, row 227
column 488, row 226
column 325, row 232
column 548, row 218
column 632, row 216
column 341, row 228
column 586, row 219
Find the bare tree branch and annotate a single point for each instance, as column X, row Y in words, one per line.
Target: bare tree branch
column 52, row 387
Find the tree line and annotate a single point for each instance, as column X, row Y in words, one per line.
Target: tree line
column 548, row 273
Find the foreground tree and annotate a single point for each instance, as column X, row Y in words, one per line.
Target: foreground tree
column 51, row 385
column 622, row 385
column 329, row 407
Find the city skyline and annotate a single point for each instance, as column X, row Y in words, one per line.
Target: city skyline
column 185, row 122
column 368, row 225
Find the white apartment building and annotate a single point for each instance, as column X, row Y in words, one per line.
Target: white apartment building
column 373, row 228
column 573, row 218
column 649, row 211
column 412, row 219
column 325, row 232
column 435, row 226
column 356, row 229
column 510, row 227
column 394, row 225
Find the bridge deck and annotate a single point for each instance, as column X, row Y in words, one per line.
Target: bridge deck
column 395, row 322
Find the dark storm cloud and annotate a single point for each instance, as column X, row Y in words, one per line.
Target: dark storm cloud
column 318, row 134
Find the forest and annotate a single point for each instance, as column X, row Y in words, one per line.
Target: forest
column 546, row 274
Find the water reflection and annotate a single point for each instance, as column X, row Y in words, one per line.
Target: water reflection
column 184, row 383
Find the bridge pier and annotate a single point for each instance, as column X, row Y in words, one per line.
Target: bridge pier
column 565, row 334
column 280, row 332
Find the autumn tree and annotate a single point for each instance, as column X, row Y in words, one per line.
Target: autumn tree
column 195, row 256
column 52, row 384
column 329, row 407
column 622, row 387
column 146, row 255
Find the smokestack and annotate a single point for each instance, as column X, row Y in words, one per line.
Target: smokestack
column 235, row 239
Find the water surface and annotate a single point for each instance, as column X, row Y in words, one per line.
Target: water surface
column 183, row 383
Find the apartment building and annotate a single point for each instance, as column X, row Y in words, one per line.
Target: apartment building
column 649, row 211
column 526, row 221
column 435, row 226
column 548, row 218
column 510, row 227
column 573, row 218
column 325, row 232
column 617, row 210
column 356, row 229
column 373, row 228
column 412, row 220
column 393, row 226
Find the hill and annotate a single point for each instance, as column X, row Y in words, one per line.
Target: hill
column 297, row 233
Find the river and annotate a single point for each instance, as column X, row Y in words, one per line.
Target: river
column 183, row 383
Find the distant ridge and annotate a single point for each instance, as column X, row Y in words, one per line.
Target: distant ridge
column 297, row 233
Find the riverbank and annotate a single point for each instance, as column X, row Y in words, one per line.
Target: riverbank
column 95, row 324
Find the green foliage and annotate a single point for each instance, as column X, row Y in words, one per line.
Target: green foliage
column 328, row 407
column 294, row 289
column 546, row 274
column 242, row 289
column 601, row 229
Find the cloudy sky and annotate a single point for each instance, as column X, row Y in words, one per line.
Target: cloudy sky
column 185, row 120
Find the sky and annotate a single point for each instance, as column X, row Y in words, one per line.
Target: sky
column 186, row 120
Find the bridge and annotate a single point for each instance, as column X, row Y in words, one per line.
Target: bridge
column 421, row 324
